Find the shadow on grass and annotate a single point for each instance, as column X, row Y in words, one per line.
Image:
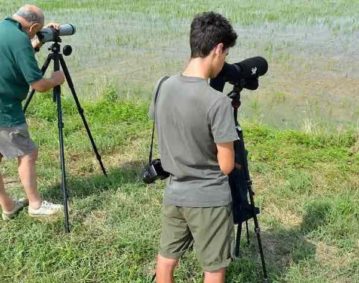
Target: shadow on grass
column 83, row 186
column 317, row 214
column 281, row 249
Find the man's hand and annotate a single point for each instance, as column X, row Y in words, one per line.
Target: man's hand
column 58, row 78
column 44, row 85
column 53, row 25
column 36, row 43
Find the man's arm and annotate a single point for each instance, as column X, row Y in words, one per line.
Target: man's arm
column 43, row 85
column 225, row 156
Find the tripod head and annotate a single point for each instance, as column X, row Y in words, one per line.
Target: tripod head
column 235, row 95
column 56, row 56
column 56, row 48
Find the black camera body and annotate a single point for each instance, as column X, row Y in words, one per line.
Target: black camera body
column 154, row 171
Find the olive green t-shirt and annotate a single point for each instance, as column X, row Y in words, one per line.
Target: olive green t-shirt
column 191, row 118
column 18, row 69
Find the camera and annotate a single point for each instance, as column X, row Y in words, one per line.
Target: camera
column 154, row 171
column 52, row 34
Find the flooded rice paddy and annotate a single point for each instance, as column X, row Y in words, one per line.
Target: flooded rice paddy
column 313, row 78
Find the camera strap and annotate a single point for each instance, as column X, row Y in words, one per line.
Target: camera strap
column 154, row 120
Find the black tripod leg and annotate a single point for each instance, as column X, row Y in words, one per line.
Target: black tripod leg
column 251, row 198
column 238, row 240
column 81, row 111
column 257, row 231
column 57, row 96
column 43, row 70
column 62, row 159
column 247, row 232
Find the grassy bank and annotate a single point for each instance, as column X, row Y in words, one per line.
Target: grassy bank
column 306, row 187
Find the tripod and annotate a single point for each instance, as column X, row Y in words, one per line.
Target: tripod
column 58, row 59
column 241, row 186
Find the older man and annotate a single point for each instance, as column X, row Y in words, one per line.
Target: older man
column 19, row 70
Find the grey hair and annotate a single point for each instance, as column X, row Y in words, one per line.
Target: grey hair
column 30, row 15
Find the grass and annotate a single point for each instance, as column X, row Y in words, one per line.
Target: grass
column 306, row 187
column 300, row 127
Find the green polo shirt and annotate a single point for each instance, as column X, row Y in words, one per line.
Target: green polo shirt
column 18, row 69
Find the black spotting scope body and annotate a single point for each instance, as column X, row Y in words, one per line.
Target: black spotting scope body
column 244, row 73
column 51, row 34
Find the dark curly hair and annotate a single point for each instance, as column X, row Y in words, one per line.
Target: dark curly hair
column 207, row 30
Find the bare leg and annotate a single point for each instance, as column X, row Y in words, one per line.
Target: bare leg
column 7, row 204
column 164, row 269
column 217, row 276
column 27, row 174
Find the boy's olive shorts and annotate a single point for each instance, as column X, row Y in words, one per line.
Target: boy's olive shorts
column 15, row 141
column 210, row 229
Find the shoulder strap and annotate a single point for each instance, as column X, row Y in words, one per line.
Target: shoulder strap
column 154, row 120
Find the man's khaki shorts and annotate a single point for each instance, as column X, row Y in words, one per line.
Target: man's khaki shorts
column 210, row 229
column 15, row 141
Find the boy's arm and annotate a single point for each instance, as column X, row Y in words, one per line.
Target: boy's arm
column 225, row 156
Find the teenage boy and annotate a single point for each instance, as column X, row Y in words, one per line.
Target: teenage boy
column 196, row 131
